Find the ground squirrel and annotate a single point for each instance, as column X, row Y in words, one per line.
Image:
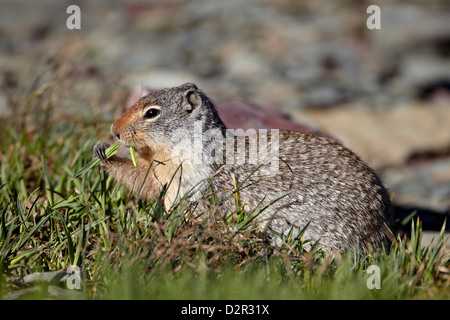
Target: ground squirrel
column 325, row 184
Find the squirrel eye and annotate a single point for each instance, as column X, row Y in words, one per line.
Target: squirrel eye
column 151, row 113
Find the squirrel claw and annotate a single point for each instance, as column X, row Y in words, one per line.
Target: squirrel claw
column 99, row 150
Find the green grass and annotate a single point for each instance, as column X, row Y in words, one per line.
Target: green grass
column 127, row 248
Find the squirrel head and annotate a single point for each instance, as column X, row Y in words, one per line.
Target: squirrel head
column 161, row 119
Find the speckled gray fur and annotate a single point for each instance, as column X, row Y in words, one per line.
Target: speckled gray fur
column 328, row 186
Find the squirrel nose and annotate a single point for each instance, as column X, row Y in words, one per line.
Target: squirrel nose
column 114, row 131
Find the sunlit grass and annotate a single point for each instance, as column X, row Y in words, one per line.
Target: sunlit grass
column 128, row 248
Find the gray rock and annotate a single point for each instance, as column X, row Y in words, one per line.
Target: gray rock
column 425, row 184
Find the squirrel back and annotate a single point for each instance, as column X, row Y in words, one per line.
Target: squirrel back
column 326, row 186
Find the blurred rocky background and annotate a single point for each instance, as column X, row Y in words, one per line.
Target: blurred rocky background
column 280, row 63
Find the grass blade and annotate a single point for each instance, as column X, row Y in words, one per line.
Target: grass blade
column 133, row 156
column 112, row 150
column 28, row 235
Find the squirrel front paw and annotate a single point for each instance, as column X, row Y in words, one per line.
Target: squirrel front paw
column 99, row 150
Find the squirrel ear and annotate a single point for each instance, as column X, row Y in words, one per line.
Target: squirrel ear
column 193, row 100
column 190, row 85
